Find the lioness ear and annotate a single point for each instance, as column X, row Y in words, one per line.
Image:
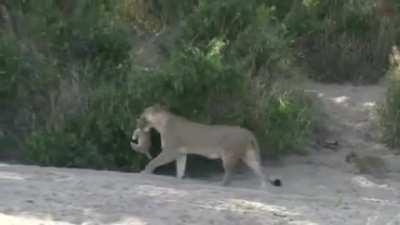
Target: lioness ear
column 160, row 107
column 164, row 107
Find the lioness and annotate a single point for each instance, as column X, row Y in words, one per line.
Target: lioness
column 143, row 142
column 180, row 136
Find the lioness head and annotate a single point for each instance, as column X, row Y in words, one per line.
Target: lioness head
column 152, row 117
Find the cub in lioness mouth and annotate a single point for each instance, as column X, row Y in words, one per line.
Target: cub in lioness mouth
column 143, row 142
column 180, row 136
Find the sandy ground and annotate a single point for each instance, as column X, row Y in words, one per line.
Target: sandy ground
column 317, row 189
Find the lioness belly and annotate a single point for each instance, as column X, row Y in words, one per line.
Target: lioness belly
column 209, row 152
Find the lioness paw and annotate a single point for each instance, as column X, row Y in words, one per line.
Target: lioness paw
column 145, row 172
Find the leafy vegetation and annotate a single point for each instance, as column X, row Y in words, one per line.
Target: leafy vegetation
column 390, row 110
column 344, row 41
column 74, row 75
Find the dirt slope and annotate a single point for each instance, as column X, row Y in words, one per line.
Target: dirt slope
column 318, row 189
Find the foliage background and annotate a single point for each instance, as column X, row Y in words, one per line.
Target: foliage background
column 74, row 75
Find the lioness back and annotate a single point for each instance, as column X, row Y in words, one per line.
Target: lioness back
column 195, row 138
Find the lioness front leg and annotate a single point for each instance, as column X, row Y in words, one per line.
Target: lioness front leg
column 163, row 158
column 181, row 166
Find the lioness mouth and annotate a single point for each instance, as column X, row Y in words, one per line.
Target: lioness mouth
column 135, row 141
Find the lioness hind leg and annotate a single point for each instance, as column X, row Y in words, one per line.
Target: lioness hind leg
column 181, row 166
column 161, row 159
column 251, row 159
column 229, row 162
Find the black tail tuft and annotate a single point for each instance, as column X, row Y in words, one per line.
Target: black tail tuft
column 277, row 182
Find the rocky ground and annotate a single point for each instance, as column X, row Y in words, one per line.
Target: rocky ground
column 317, row 189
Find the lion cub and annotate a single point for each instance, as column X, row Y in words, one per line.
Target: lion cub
column 143, row 142
column 372, row 165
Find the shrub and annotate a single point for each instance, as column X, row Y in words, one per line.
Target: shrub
column 342, row 41
column 389, row 111
column 390, row 116
column 198, row 86
column 286, row 123
column 225, row 19
column 25, row 81
column 65, row 81
column 194, row 82
column 11, row 66
column 153, row 16
column 96, row 137
column 92, row 89
column 345, row 59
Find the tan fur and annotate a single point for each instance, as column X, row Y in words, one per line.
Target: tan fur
column 180, row 136
column 372, row 165
column 143, row 142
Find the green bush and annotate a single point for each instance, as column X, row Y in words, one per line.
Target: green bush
column 389, row 111
column 66, row 148
column 286, row 123
column 96, row 137
column 66, row 80
column 25, row 81
column 390, row 116
column 198, row 86
column 194, row 82
column 92, row 89
column 195, row 85
column 70, row 79
column 11, row 66
column 225, row 19
column 342, row 41
column 345, row 59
